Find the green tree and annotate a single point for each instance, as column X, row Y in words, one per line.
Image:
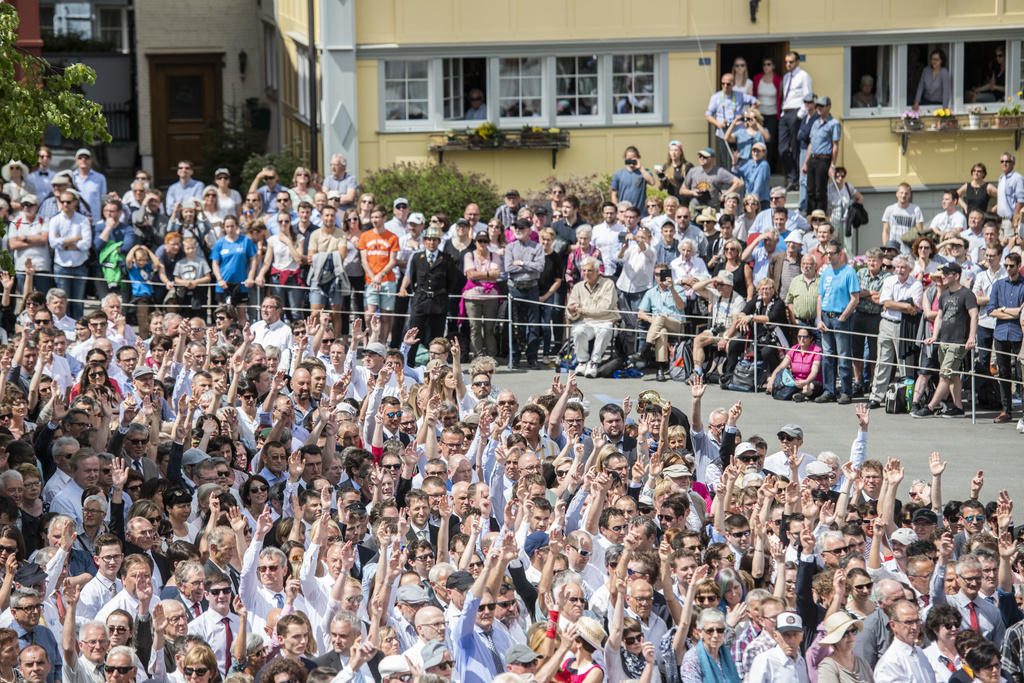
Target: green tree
column 432, row 188
column 34, row 95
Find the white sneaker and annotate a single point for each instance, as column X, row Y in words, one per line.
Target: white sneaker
column 1020, row 426
column 591, row 369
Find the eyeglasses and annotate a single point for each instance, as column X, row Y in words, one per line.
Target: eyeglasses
column 42, row 321
column 115, row 628
column 974, row 518
column 715, row 629
column 268, row 568
column 481, row 384
column 486, row 607
column 577, row 600
column 29, row 608
column 837, row 551
column 8, row 548
column 429, row 557
column 727, row 558
column 195, row 671
column 394, row 467
column 257, row 489
column 740, row 534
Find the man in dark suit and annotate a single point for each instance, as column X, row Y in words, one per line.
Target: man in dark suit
column 221, row 542
column 420, row 527
column 189, row 577
column 613, row 422
column 431, row 273
column 345, row 629
column 132, row 444
column 140, row 538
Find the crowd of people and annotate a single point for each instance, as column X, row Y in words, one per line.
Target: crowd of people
column 375, row 505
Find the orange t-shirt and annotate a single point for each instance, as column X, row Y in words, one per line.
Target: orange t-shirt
column 378, row 250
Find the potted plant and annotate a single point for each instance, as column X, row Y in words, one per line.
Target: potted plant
column 974, row 115
column 911, row 120
column 1009, row 115
column 485, row 135
column 946, row 120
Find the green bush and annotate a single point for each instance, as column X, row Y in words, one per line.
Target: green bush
column 431, row 187
column 284, row 161
column 592, row 191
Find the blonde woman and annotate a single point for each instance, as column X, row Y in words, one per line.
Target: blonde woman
column 302, row 189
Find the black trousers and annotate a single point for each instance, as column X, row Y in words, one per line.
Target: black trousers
column 430, row 325
column 789, row 148
column 817, row 182
column 1006, row 358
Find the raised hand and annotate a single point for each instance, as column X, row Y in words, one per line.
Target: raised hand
column 119, row 473
column 70, row 592
column 936, row 465
column 863, row 416
column 697, row 387
column 264, row 522
column 412, row 336
column 627, row 406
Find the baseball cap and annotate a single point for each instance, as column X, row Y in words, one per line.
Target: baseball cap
column 793, row 238
column 925, row 516
column 707, row 152
column 891, row 244
column 950, row 268
column 334, row 194
column 678, row 471
column 520, row 654
column 142, row 371
column 222, row 171
column 377, row 348
column 417, row 218
column 809, row 97
column 29, row 574
column 824, row 101
column 903, row 536
column 62, row 178
column 400, row 200
column 83, row 152
column 433, row 653
column 29, row 199
column 534, row 542
column 791, row 430
column 460, row 581
column 724, row 277
column 789, row 621
column 745, row 447
column 512, row 193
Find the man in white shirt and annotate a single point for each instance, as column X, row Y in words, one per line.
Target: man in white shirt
column 791, row 437
column 901, row 217
column 896, row 295
column 105, row 584
column 70, row 237
column 137, row 595
column 57, row 303
column 904, row 661
column 218, row 625
column 782, row 663
column 1010, row 195
column 795, row 85
column 950, row 217
column 605, row 236
column 85, row 472
column 765, row 220
column 272, row 331
column 262, row 588
column 983, row 282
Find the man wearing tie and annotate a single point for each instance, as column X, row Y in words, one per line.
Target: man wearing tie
column 104, row 585
column 795, row 84
column 420, row 528
column 218, row 626
column 479, row 640
column 221, row 543
column 25, row 608
column 978, row 613
column 430, row 273
column 188, row 577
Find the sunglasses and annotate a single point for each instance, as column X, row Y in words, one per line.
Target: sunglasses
column 715, row 629
column 486, row 607
column 394, row 414
column 119, row 669
column 632, row 640
column 195, row 671
column 219, row 591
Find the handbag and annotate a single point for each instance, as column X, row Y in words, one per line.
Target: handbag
column 743, row 376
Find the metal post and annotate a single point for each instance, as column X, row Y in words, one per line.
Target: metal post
column 508, row 312
column 974, row 396
column 756, row 356
column 314, row 102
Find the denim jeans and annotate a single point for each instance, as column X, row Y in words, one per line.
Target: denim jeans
column 836, row 340
column 72, row 281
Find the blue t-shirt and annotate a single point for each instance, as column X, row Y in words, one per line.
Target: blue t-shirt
column 140, row 280
column 632, row 188
column 745, row 139
column 233, row 258
column 835, row 288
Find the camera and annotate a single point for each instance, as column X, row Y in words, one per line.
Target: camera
column 664, row 276
column 622, row 237
column 630, row 162
column 818, row 495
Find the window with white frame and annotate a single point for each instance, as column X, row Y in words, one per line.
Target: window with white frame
column 984, row 70
column 302, row 81
column 406, row 90
column 271, row 64
column 520, row 81
column 929, row 75
column 633, row 90
column 464, row 90
column 452, row 89
column 113, row 27
column 872, row 79
column 576, row 86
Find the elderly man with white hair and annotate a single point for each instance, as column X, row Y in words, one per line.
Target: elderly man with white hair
column 119, row 332
column 593, row 309
column 340, row 180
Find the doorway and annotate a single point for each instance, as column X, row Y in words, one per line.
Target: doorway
column 185, row 95
column 753, row 53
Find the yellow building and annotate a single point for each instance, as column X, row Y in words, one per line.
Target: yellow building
column 639, row 72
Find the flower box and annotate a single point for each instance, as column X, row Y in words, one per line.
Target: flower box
column 1007, row 121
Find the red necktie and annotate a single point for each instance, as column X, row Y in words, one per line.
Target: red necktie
column 228, row 638
column 974, row 616
column 61, row 609
column 948, row 662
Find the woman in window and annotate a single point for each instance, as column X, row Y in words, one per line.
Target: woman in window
column 994, row 88
column 934, row 88
column 976, row 194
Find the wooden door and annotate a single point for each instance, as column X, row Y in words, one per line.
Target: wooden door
column 185, row 92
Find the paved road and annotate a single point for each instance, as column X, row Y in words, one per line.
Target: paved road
column 996, row 449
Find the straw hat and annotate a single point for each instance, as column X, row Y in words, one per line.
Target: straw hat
column 589, row 630
column 707, row 214
column 837, row 625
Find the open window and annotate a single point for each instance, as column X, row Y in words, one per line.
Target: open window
column 464, row 91
column 984, row 72
column 870, row 80
column 929, row 76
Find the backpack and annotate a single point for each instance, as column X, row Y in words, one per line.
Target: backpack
column 680, row 365
column 743, row 376
column 899, row 396
column 112, row 263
